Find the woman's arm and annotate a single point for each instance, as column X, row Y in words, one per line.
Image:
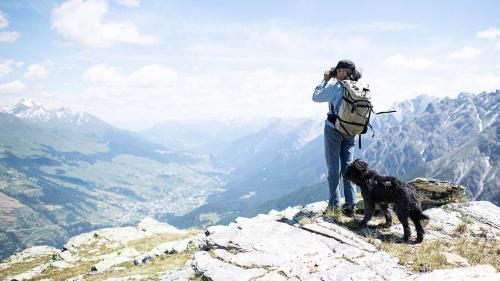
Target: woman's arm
column 324, row 92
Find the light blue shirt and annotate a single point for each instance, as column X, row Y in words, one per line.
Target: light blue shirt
column 331, row 93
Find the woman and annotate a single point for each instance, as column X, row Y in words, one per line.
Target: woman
column 338, row 146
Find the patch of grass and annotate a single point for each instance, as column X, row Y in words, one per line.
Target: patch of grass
column 152, row 269
column 467, row 220
column 82, row 268
column 420, row 258
column 22, row 267
column 306, row 220
column 148, row 243
column 427, row 256
column 478, row 251
column 439, row 228
column 460, row 229
column 333, row 213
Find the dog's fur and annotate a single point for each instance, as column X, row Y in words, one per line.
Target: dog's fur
column 377, row 188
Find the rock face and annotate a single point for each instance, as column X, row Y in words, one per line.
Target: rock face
column 98, row 252
column 434, row 192
column 298, row 243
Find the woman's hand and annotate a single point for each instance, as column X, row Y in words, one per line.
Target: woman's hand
column 326, row 75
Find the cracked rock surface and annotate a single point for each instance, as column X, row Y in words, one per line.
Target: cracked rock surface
column 277, row 247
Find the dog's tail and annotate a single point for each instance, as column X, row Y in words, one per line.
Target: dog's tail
column 418, row 214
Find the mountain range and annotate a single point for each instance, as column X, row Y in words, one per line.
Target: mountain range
column 453, row 139
column 62, row 173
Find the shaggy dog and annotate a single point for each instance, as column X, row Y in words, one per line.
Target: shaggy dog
column 377, row 188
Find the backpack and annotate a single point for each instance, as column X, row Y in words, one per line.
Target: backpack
column 355, row 110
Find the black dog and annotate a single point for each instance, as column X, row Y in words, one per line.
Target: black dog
column 377, row 188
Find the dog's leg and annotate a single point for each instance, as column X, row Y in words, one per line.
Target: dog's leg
column 418, row 227
column 387, row 214
column 369, row 210
column 402, row 214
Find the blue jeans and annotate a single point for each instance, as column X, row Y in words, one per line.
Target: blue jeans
column 338, row 148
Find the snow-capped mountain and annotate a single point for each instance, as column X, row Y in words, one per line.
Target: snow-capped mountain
column 30, row 110
column 452, row 139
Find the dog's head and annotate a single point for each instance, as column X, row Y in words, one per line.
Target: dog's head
column 355, row 170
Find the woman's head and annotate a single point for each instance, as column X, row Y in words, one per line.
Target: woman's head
column 346, row 70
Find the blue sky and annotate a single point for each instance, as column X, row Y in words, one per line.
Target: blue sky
column 135, row 63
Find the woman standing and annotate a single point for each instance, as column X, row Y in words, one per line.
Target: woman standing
column 339, row 148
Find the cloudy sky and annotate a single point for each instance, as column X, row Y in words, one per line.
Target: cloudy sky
column 134, row 63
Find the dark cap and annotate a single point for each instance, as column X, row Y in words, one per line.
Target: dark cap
column 346, row 64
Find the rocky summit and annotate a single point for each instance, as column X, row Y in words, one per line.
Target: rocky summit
column 298, row 243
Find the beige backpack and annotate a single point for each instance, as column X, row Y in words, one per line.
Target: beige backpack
column 355, row 109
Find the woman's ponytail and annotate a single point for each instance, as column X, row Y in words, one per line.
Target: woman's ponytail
column 355, row 75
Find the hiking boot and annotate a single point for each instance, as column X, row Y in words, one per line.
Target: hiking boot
column 348, row 210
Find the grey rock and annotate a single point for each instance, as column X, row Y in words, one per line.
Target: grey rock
column 125, row 255
column 320, row 251
column 155, row 227
column 477, row 219
column 313, row 209
column 478, row 272
column 215, row 270
column 340, row 234
column 437, row 192
column 184, row 274
column 172, row 247
column 136, row 277
column 76, row 278
column 28, row 255
column 30, row 274
column 481, row 211
column 454, row 259
column 109, row 263
column 61, row 264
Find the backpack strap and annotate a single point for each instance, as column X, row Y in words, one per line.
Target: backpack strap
column 383, row 112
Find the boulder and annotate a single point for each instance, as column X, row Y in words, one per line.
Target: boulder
column 476, row 273
column 434, row 192
column 28, row 255
column 30, row 274
column 155, row 227
column 272, row 250
column 122, row 256
column 214, row 269
column 169, row 248
column 454, row 259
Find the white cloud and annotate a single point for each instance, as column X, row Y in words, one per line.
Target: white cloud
column 149, row 76
column 12, row 87
column 9, row 36
column 466, row 52
column 388, row 27
column 83, row 22
column 4, row 21
column 403, row 61
column 270, row 39
column 490, row 33
column 36, row 71
column 6, row 66
column 128, row 3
